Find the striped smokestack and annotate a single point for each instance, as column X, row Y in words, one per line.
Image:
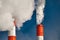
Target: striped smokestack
column 12, row 33
column 40, row 32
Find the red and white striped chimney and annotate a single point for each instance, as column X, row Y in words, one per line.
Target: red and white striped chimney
column 12, row 33
column 40, row 32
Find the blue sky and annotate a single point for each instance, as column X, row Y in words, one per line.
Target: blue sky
column 51, row 24
column 52, row 20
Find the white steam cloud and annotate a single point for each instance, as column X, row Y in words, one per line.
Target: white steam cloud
column 19, row 10
column 39, row 10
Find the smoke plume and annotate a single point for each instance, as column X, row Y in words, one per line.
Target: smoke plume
column 18, row 10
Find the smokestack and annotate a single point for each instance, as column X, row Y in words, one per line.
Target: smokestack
column 40, row 32
column 12, row 33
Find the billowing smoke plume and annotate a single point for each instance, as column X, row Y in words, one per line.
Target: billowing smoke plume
column 40, row 11
column 18, row 10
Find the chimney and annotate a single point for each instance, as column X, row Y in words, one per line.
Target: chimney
column 40, row 32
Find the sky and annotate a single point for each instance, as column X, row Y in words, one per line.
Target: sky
column 51, row 24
